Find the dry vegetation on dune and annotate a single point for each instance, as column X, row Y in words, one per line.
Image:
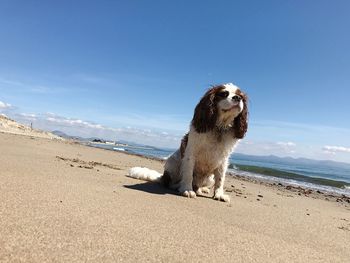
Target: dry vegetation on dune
column 8, row 125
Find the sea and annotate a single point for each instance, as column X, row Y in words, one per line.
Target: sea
column 325, row 176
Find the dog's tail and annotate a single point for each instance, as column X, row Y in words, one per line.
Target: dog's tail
column 145, row 174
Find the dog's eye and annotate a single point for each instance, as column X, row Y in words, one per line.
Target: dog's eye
column 223, row 94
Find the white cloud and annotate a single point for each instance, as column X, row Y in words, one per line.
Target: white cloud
column 10, row 82
column 77, row 127
column 28, row 117
column 94, row 79
column 335, row 149
column 305, row 133
column 4, row 106
column 328, row 152
column 40, row 89
column 72, row 122
column 160, row 121
column 286, row 144
column 35, row 88
column 267, row 148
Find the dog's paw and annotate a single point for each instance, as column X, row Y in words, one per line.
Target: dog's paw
column 187, row 191
column 203, row 190
column 189, row 194
column 222, row 197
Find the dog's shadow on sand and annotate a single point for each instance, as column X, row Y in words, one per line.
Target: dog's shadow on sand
column 152, row 188
column 155, row 188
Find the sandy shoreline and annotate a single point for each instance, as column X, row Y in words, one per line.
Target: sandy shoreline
column 62, row 201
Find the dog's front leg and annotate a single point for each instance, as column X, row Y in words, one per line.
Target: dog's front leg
column 219, row 175
column 186, row 170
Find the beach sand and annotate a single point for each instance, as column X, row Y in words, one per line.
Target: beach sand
column 64, row 202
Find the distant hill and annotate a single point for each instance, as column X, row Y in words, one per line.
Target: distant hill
column 61, row 134
column 289, row 160
column 8, row 125
column 66, row 136
column 72, row 137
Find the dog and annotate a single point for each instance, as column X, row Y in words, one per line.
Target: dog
column 220, row 120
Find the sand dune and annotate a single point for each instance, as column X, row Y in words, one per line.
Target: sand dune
column 8, row 125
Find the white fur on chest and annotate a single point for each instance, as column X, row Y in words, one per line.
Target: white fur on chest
column 208, row 151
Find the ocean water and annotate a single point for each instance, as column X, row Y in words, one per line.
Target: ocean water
column 142, row 150
column 321, row 176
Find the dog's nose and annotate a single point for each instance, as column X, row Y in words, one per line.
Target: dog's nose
column 236, row 98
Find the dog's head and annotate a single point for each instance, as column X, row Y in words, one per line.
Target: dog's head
column 223, row 107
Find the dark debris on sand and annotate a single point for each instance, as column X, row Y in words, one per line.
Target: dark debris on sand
column 87, row 165
column 301, row 191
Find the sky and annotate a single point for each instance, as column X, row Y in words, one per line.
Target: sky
column 134, row 70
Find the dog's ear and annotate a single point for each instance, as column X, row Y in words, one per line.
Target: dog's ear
column 240, row 123
column 206, row 112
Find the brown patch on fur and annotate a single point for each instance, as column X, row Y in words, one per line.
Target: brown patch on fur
column 240, row 123
column 206, row 112
column 183, row 145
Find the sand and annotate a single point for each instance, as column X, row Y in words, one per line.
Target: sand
column 65, row 202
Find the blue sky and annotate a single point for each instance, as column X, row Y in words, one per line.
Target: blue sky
column 136, row 69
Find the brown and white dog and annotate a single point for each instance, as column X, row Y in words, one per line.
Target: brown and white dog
column 220, row 120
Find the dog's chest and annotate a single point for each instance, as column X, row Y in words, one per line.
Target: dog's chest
column 211, row 152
